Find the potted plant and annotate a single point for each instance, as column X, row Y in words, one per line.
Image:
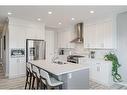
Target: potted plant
column 115, row 65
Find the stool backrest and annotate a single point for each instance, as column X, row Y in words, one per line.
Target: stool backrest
column 36, row 70
column 29, row 66
column 45, row 75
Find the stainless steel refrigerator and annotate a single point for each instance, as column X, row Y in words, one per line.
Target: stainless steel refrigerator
column 35, row 49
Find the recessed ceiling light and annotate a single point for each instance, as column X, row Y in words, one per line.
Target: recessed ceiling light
column 72, row 18
column 9, row 13
column 91, row 12
column 39, row 19
column 60, row 23
column 50, row 12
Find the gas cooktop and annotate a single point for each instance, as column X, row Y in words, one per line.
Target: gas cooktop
column 76, row 56
column 61, row 63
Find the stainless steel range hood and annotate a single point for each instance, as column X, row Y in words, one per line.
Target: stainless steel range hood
column 79, row 30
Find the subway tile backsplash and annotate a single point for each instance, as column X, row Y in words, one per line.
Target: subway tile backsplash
column 80, row 50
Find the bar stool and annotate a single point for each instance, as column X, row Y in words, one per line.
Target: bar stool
column 49, row 82
column 36, row 76
column 28, row 75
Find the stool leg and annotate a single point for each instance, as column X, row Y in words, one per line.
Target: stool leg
column 45, row 87
column 60, row 87
column 41, row 84
column 38, row 81
column 30, row 80
column 26, row 79
column 33, row 82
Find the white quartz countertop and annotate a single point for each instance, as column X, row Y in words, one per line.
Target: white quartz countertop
column 58, row 69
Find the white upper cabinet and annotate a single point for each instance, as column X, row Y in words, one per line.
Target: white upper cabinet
column 65, row 36
column 36, row 32
column 109, row 35
column 50, row 44
column 89, row 36
column 61, row 40
column 100, row 34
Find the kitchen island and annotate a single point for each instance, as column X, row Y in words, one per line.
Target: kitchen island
column 74, row 76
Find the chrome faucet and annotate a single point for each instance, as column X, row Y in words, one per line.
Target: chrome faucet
column 54, row 59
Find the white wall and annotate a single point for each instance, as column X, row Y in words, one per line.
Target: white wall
column 122, row 43
column 19, row 31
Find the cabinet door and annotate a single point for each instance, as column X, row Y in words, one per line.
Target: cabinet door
column 108, row 34
column 35, row 33
column 93, row 71
column 59, row 39
column 49, row 45
column 18, row 40
column 98, row 71
column 40, row 35
column 90, row 36
column 106, row 73
column 64, row 38
column 101, row 72
column 21, row 66
column 69, row 36
column 94, row 36
column 17, row 67
column 99, row 35
column 31, row 34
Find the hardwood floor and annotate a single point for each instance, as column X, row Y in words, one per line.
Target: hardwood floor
column 17, row 83
column 1, row 72
column 5, row 83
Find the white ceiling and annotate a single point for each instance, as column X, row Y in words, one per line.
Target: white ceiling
column 61, row 14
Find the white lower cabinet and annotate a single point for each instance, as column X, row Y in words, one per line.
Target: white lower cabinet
column 101, row 72
column 17, row 67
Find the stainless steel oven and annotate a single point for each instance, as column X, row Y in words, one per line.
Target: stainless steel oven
column 74, row 58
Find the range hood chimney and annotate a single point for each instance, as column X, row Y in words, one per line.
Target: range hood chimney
column 79, row 30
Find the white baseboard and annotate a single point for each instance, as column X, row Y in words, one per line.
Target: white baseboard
column 16, row 76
